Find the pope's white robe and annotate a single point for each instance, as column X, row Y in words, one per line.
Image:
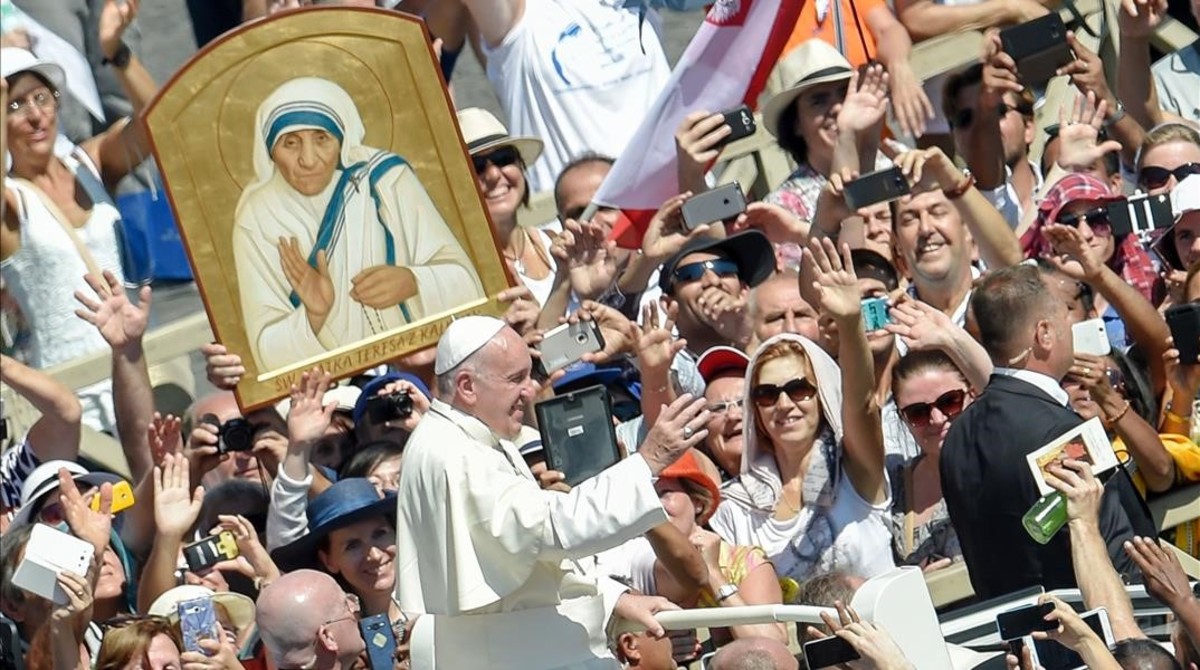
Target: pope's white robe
column 479, row 542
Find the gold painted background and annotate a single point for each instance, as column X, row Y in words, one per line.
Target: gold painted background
column 202, row 125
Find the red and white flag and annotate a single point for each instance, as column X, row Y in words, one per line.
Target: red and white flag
column 725, row 65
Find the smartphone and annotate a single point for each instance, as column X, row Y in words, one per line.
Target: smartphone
column 875, row 187
column 1091, row 338
column 1052, row 655
column 1039, row 48
column 1140, row 214
column 875, row 313
column 1184, row 322
column 122, row 498
column 211, row 550
column 1022, row 621
column 720, row 204
column 577, row 433
column 381, row 641
column 1164, row 248
column 828, row 651
column 49, row 552
column 741, row 122
column 198, row 621
column 565, row 344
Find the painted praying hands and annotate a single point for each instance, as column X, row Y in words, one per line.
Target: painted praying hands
column 313, row 286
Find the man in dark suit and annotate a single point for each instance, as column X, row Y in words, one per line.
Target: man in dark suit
column 1025, row 328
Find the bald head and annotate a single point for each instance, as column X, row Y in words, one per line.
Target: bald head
column 754, row 653
column 290, row 612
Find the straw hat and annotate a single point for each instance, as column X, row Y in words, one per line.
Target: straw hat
column 482, row 131
column 240, row 608
column 813, row 62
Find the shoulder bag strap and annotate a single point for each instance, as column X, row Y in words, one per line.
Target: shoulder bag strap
column 89, row 260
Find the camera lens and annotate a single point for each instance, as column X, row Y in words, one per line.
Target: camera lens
column 581, row 338
column 236, row 435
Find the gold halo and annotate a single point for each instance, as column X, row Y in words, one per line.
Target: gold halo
column 268, row 70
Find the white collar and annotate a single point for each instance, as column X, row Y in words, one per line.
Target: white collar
column 1044, row 382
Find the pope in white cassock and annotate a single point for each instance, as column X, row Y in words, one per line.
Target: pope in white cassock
column 497, row 558
column 335, row 241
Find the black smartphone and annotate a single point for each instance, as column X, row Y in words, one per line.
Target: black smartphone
column 577, row 433
column 720, row 204
column 741, row 122
column 828, row 651
column 1141, row 214
column 211, row 550
column 875, row 187
column 381, row 641
column 1164, row 248
column 1184, row 322
column 1039, row 48
column 1022, row 621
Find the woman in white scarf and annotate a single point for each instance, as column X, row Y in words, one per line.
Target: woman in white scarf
column 812, row 490
column 335, row 242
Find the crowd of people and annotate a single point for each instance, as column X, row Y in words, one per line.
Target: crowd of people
column 775, row 449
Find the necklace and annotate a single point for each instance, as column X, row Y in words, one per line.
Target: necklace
column 518, row 261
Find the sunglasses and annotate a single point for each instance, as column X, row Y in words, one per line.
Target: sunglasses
column 693, row 271
column 965, row 117
column 1153, row 176
column 1097, row 220
column 766, row 395
column 950, row 404
column 502, row 157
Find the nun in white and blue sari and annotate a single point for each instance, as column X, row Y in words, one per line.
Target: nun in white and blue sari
column 371, row 213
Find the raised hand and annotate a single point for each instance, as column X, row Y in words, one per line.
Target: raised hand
column 778, row 223
column 921, row 326
column 698, row 143
column 120, row 322
column 590, row 258
column 1165, row 578
column 176, row 503
column 617, row 331
column 836, row 283
column 1079, row 132
column 909, row 102
column 931, row 167
column 641, row 609
column 202, row 450
column 307, row 418
column 79, row 598
column 215, row 655
column 1139, row 19
column 999, row 71
column 223, row 369
column 1087, row 72
column 314, row 286
column 1074, row 479
column 1183, row 376
column 164, row 437
column 523, row 311
column 92, row 527
column 665, row 234
column 1072, row 256
column 115, row 17
column 680, row 426
column 420, row 404
column 866, row 100
column 656, row 345
column 249, row 546
column 1072, row 631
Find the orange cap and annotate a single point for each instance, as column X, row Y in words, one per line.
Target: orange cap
column 688, row 468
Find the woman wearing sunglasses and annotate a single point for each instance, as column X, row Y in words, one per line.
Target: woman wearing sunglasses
column 930, row 391
column 1170, row 152
column 500, row 162
column 812, row 490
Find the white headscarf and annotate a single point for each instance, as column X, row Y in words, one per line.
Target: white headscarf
column 759, row 483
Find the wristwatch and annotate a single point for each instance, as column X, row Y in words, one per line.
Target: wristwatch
column 119, row 60
column 726, row 592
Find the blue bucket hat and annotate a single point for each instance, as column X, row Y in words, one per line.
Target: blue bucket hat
column 372, row 387
column 345, row 503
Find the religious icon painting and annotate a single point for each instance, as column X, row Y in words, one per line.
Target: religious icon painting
column 324, row 194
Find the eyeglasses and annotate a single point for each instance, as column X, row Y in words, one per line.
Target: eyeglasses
column 965, row 117
column 1153, row 176
column 1097, row 220
column 353, row 607
column 798, row 390
column 950, row 404
column 693, row 271
column 502, row 157
column 42, row 98
column 725, row 406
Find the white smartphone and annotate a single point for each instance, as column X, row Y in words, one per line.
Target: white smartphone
column 1051, row 655
column 49, row 552
column 1091, row 338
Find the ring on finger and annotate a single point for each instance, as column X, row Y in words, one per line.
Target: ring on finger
column 688, row 432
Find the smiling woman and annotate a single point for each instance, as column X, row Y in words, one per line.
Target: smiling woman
column 326, row 240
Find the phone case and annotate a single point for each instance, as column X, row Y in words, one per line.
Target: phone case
column 720, row 204
column 122, row 498
column 567, row 343
column 1091, row 337
column 1184, row 322
column 198, row 621
column 1141, row 214
column 381, row 641
column 875, row 187
column 577, row 433
column 211, row 550
column 741, row 123
column 1039, row 47
column 828, row 651
column 875, row 313
column 49, row 552
column 1021, row 621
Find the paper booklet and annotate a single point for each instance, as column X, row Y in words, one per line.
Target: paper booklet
column 1086, row 442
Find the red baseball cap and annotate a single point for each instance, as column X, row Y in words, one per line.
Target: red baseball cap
column 721, row 359
column 1075, row 187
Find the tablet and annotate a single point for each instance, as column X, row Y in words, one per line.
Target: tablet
column 578, row 434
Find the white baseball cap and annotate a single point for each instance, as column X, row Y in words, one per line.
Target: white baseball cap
column 1186, row 196
column 14, row 60
column 44, row 479
column 462, row 338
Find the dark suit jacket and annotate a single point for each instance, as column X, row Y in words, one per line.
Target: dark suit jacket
column 988, row 488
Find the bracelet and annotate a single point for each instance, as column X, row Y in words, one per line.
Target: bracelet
column 120, row 59
column 1121, row 415
column 961, row 189
column 1178, row 418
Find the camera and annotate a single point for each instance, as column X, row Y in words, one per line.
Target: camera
column 233, row 435
column 390, row 407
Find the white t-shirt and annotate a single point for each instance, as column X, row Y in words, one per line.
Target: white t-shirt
column 862, row 546
column 631, row 563
column 1177, row 78
column 580, row 75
